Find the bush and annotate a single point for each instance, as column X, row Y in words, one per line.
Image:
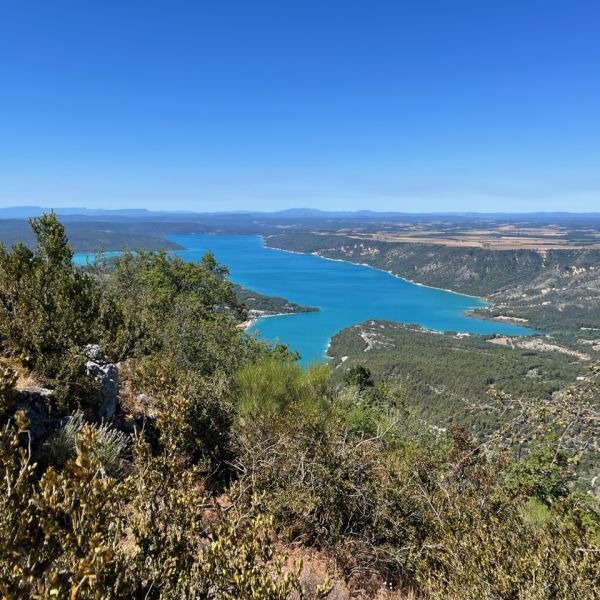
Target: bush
column 110, row 447
column 230, row 564
column 440, row 517
column 359, row 376
column 59, row 535
column 47, row 306
column 545, row 473
column 195, row 412
column 153, row 534
column 277, row 386
column 48, row 312
column 165, row 303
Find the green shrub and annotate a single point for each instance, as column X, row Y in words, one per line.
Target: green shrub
column 154, row 301
column 47, row 306
column 48, row 312
column 110, row 448
column 359, row 376
column 272, row 385
column 545, row 473
column 195, row 412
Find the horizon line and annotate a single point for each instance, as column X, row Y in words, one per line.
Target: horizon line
column 240, row 212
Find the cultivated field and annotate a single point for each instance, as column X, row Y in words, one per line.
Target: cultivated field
column 492, row 236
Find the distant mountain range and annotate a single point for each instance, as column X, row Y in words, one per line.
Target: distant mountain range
column 26, row 212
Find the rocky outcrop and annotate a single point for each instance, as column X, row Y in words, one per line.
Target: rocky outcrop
column 34, row 403
column 107, row 375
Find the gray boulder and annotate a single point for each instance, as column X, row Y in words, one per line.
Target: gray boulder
column 108, row 377
column 34, row 402
column 94, row 353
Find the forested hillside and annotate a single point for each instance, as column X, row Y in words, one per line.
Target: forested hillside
column 259, row 304
column 448, row 374
column 94, row 236
column 149, row 448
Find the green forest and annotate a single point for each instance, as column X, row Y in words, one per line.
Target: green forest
column 446, row 374
column 150, row 448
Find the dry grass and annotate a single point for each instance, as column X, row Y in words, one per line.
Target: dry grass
column 318, row 568
column 25, row 378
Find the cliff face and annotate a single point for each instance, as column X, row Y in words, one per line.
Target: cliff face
column 469, row 270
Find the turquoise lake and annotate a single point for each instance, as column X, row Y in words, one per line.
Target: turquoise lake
column 345, row 293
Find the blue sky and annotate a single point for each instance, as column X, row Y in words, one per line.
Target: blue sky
column 386, row 105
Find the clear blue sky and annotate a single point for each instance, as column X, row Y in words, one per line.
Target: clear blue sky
column 413, row 105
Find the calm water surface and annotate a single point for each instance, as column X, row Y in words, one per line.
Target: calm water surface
column 345, row 293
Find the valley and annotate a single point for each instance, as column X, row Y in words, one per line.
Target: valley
column 139, row 388
column 540, row 272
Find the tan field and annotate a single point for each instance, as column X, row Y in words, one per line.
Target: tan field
column 497, row 237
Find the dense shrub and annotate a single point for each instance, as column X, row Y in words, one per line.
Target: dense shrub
column 278, row 385
column 48, row 311
column 59, row 532
column 438, row 515
column 48, row 307
column 195, row 412
column 164, row 303
column 154, row 534
column 359, row 376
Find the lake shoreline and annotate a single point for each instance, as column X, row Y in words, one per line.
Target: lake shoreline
column 470, row 313
column 346, row 293
column 260, row 315
column 425, row 285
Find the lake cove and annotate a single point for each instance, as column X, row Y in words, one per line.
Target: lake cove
column 345, row 293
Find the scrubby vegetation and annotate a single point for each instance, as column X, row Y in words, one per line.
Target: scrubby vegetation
column 225, row 456
column 109, row 448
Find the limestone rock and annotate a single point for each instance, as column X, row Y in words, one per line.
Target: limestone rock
column 94, row 353
column 34, row 402
column 108, row 377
